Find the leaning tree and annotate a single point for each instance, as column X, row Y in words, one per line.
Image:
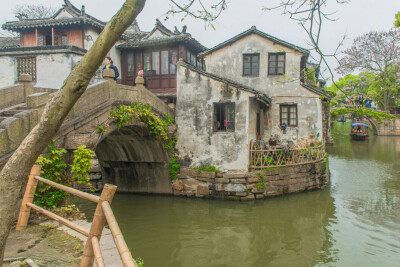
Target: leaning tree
column 377, row 52
column 15, row 172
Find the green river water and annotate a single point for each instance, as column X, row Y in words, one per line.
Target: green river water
column 353, row 222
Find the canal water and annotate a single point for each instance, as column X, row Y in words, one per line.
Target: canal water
column 355, row 221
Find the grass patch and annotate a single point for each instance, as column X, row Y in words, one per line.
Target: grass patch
column 206, row 168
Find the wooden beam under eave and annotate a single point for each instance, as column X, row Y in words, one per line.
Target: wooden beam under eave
column 52, row 36
column 36, row 36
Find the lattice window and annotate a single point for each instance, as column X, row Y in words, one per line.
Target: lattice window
column 55, row 39
column 276, row 63
column 40, row 40
column 64, row 40
column 288, row 115
column 26, row 65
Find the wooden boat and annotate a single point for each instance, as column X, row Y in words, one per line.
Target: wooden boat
column 359, row 131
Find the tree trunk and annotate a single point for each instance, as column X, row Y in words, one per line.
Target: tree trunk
column 15, row 172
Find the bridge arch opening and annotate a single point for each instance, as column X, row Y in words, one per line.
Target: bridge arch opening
column 134, row 160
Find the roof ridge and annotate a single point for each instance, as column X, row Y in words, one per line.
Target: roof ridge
column 254, row 30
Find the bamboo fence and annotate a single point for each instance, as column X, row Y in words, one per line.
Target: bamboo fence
column 103, row 214
column 282, row 157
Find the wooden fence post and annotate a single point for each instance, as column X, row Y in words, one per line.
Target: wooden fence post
column 28, row 197
column 98, row 223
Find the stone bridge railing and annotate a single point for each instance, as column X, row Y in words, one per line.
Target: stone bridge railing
column 21, row 112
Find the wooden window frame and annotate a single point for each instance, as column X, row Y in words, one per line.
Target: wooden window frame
column 226, row 104
column 287, row 106
column 276, row 68
column 251, row 66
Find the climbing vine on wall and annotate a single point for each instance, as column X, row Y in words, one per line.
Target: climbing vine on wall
column 141, row 112
column 379, row 116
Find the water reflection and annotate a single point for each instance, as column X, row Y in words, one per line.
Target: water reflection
column 169, row 231
column 365, row 183
column 354, row 222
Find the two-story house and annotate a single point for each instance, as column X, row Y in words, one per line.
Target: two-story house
column 252, row 91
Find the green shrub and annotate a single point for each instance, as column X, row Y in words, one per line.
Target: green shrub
column 54, row 168
column 168, row 119
column 82, row 164
column 260, row 185
column 139, row 262
column 100, row 129
column 170, row 144
column 174, row 168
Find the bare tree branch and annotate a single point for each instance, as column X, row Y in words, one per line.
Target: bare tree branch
column 197, row 9
column 310, row 15
column 33, row 11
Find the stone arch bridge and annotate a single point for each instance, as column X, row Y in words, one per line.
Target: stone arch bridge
column 386, row 127
column 129, row 157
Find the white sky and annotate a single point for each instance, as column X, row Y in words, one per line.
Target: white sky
column 354, row 19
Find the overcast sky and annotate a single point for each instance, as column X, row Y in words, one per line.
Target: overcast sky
column 354, row 19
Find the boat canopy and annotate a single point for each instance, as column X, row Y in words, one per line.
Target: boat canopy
column 359, row 124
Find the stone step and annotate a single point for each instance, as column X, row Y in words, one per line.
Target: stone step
column 3, row 118
column 21, row 107
column 9, row 113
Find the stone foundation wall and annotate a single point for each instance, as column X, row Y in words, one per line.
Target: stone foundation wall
column 389, row 127
column 251, row 185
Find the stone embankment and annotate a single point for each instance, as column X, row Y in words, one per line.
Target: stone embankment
column 251, row 185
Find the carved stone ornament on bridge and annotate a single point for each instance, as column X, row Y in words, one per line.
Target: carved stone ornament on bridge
column 25, row 77
column 108, row 74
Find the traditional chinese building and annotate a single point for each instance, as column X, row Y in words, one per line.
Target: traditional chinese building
column 49, row 48
column 156, row 53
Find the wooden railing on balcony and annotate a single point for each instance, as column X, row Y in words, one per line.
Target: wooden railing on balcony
column 102, row 214
column 280, row 157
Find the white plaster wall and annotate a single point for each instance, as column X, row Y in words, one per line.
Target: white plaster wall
column 7, row 73
column 63, row 14
column 228, row 62
column 309, row 123
column 156, row 34
column 53, row 69
column 197, row 141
